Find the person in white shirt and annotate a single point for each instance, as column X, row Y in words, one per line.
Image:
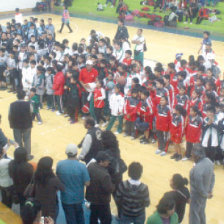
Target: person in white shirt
column 117, row 107
column 139, row 42
column 6, row 181
column 118, row 51
column 18, row 16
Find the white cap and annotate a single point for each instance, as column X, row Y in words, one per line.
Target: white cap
column 71, row 149
column 89, row 62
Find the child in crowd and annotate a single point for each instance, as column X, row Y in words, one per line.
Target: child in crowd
column 163, row 119
column 193, row 130
column 35, row 101
column 177, row 130
column 117, row 109
column 130, row 113
column 49, row 88
column 99, row 97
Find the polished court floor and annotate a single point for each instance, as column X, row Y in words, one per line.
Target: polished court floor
column 52, row 137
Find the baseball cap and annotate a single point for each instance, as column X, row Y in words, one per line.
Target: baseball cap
column 71, row 149
column 89, row 62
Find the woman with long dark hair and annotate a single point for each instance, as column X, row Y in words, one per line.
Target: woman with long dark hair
column 46, row 187
column 21, row 173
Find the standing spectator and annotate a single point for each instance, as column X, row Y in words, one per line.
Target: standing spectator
column 133, row 196
column 6, row 181
column 165, row 212
column 181, row 194
column 58, row 87
column 98, row 193
column 122, row 31
column 46, row 187
column 65, row 20
column 50, row 27
column 202, row 180
column 21, row 173
column 20, row 119
column 91, row 144
column 74, row 175
column 139, row 42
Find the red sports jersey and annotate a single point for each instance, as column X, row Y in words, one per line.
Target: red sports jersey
column 130, row 110
column 99, row 96
column 177, row 128
column 163, row 118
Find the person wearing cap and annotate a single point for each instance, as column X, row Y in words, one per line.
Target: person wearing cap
column 202, row 180
column 91, row 144
column 74, row 175
column 87, row 76
column 98, row 193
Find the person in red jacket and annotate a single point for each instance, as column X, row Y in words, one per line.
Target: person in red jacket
column 99, row 97
column 193, row 130
column 58, row 87
column 177, row 130
column 163, row 118
column 130, row 113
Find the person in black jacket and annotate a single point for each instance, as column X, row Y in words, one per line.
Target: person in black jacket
column 91, row 144
column 20, row 119
column 122, row 31
column 133, row 196
column 98, row 193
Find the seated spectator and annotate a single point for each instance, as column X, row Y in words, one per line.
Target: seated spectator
column 133, row 196
column 165, row 212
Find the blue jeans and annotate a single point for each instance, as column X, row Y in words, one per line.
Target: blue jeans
column 73, row 213
column 135, row 220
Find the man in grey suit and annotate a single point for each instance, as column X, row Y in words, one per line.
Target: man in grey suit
column 202, row 181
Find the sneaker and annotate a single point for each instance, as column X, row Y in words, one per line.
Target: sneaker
column 53, row 110
column 158, row 151
column 72, row 122
column 153, row 141
column 96, row 125
column 83, row 118
column 116, row 133
column 104, row 124
column 146, row 141
column 66, row 115
column 174, row 156
column 185, row 158
column 191, row 23
column 185, row 22
column 125, row 134
column 39, row 123
column 48, row 108
column 133, row 137
column 178, row 158
column 163, row 153
column 58, row 113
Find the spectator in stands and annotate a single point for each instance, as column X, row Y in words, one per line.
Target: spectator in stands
column 98, row 193
column 74, row 175
column 21, row 173
column 46, row 187
column 133, row 196
column 165, row 212
column 31, row 213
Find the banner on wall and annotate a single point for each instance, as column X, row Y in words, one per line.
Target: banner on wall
column 11, row 5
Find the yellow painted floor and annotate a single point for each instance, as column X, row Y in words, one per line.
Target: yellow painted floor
column 52, row 137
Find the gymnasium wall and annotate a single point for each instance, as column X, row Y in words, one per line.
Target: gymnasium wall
column 10, row 5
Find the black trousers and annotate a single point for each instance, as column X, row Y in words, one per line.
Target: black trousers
column 101, row 212
column 73, row 108
column 189, row 147
column 211, row 153
column 162, row 139
column 99, row 115
column 62, row 26
column 6, row 196
column 36, row 115
column 130, row 128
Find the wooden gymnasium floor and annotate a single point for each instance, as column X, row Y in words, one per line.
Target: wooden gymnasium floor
column 51, row 138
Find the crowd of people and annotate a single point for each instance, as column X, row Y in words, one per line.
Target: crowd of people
column 107, row 81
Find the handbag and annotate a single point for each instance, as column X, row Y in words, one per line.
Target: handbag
column 30, row 189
